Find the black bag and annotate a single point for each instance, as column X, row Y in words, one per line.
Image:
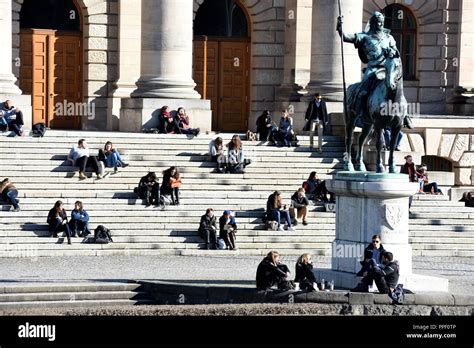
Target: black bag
column 102, row 235
column 39, row 129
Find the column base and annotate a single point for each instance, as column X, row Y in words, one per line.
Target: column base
column 291, row 93
column 8, row 86
column 413, row 282
column 165, row 88
column 139, row 113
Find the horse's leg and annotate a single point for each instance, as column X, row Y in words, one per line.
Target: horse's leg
column 360, row 166
column 348, row 158
column 379, row 141
column 395, row 131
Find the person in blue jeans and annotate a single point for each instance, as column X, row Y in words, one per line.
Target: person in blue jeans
column 111, row 157
column 9, row 194
column 79, row 223
column 57, row 221
column 388, row 136
column 276, row 210
column 285, row 129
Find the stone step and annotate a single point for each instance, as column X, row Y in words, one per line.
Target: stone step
column 429, row 197
column 443, row 243
column 72, row 296
column 68, row 304
column 48, row 287
column 445, row 215
column 443, row 221
column 444, row 253
column 455, row 228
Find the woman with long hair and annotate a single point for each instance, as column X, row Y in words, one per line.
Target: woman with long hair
column 182, row 120
column 304, row 273
column 111, row 157
column 79, row 223
column 171, row 184
column 236, row 157
column 166, row 123
column 57, row 221
column 271, row 272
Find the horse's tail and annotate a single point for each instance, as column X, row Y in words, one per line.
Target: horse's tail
column 352, row 92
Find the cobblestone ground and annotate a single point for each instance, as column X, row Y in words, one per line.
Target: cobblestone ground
column 241, row 269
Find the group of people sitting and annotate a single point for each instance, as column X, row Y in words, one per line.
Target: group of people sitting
column 151, row 193
column 179, row 123
column 58, row 221
column 281, row 135
column 420, row 176
column 109, row 157
column 227, row 230
column 378, row 265
column 228, row 159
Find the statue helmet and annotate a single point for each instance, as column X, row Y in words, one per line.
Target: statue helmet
column 376, row 16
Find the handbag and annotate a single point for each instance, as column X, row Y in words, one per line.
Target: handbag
column 175, row 183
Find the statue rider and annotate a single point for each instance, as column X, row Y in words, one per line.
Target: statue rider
column 374, row 47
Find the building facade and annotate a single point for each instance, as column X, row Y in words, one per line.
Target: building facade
column 112, row 64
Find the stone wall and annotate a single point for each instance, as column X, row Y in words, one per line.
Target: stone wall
column 267, row 30
column 437, row 50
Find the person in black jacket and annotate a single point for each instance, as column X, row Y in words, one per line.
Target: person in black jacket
column 149, row 189
column 316, row 111
column 208, row 229
column 265, row 127
column 227, row 228
column 299, row 206
column 57, row 221
column 304, row 273
column 385, row 276
column 372, row 255
column 271, row 272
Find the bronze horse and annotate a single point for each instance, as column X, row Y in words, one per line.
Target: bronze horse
column 386, row 108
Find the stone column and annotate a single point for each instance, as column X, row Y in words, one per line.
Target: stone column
column 297, row 59
column 7, row 79
column 167, row 50
column 466, row 46
column 368, row 204
column 326, row 62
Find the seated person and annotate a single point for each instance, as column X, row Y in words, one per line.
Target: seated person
column 316, row 189
column 11, row 118
column 304, row 273
column 275, row 209
column 285, row 130
column 372, row 256
column 409, row 168
column 227, row 228
column 207, row 229
column 299, row 206
column 387, row 135
column 265, row 127
column 468, row 199
column 80, row 157
column 57, row 221
column 271, row 272
column 236, row 161
column 425, row 185
column 149, row 190
column 171, row 184
column 166, row 123
column 216, row 154
column 385, row 276
column 9, row 194
column 111, row 157
column 182, row 120
column 79, row 223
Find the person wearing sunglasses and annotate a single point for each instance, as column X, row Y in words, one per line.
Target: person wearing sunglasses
column 372, row 256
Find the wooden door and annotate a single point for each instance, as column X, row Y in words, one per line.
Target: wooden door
column 68, row 80
column 233, row 73
column 51, row 71
column 35, row 72
column 221, row 74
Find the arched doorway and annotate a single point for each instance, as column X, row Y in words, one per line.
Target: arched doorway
column 222, row 62
column 51, row 56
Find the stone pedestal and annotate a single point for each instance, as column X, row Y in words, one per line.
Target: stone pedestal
column 137, row 113
column 368, row 204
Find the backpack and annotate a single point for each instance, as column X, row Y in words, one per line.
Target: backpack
column 221, row 244
column 39, row 129
column 102, row 235
column 272, row 225
column 397, row 295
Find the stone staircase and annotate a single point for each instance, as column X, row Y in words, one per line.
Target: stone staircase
column 71, row 294
column 39, row 169
column 440, row 227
